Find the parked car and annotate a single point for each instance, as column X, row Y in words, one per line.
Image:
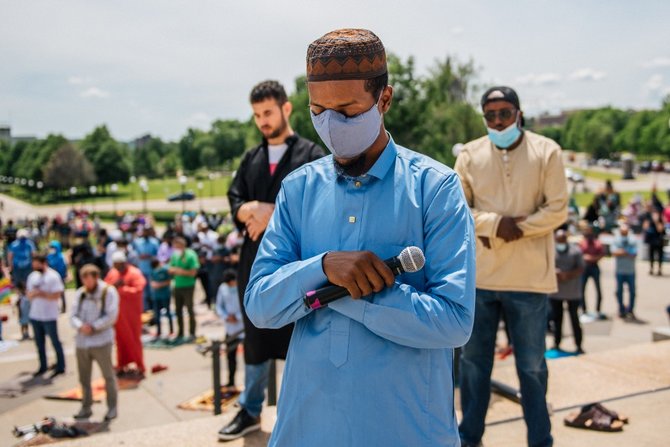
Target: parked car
column 186, row 195
column 644, row 167
column 574, row 177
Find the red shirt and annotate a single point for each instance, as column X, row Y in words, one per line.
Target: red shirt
column 591, row 248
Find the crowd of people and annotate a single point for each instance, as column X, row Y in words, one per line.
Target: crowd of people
column 119, row 275
column 300, row 222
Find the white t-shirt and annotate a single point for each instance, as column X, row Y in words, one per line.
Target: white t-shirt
column 42, row 309
column 275, row 153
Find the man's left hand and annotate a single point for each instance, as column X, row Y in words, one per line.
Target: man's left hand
column 259, row 219
column 86, row 329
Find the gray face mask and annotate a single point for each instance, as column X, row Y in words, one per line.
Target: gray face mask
column 348, row 137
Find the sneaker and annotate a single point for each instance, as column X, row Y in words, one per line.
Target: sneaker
column 111, row 414
column 242, row 424
column 84, row 413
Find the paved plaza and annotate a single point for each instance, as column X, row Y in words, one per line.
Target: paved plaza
column 622, row 368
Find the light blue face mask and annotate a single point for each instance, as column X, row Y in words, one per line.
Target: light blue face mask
column 506, row 137
column 347, row 137
column 561, row 247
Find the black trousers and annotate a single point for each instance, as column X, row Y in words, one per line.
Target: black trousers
column 655, row 254
column 557, row 309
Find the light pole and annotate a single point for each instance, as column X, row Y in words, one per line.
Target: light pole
column 93, row 189
column 73, row 192
column 114, row 188
column 182, row 182
column 144, row 187
column 200, row 185
column 211, row 184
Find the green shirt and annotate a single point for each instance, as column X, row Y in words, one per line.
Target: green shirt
column 187, row 261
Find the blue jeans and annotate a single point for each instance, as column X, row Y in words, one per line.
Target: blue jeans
column 41, row 329
column 526, row 321
column 592, row 271
column 147, row 300
column 621, row 279
column 159, row 304
column 255, row 383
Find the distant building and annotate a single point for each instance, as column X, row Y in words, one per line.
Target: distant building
column 547, row 120
column 139, row 143
column 6, row 134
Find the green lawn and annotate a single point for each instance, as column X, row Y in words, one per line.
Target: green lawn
column 584, row 199
column 158, row 189
column 599, row 175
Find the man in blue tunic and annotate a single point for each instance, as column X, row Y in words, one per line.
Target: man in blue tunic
column 375, row 367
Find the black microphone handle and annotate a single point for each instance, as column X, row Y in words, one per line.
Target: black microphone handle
column 318, row 298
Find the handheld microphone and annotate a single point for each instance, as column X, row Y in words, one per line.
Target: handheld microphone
column 410, row 260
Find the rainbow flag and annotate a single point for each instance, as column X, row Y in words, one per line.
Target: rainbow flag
column 5, row 290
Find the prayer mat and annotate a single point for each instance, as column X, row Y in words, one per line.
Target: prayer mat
column 147, row 317
column 98, row 387
column 205, row 401
column 558, row 354
column 164, row 343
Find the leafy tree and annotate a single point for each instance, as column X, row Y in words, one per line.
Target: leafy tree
column 190, row 157
column 227, row 139
column 93, row 142
column 112, row 163
column 146, row 159
column 403, row 120
column 68, row 167
column 301, row 120
column 35, row 155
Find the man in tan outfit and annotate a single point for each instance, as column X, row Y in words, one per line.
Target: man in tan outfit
column 514, row 182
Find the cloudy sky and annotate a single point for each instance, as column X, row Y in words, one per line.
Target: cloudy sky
column 160, row 66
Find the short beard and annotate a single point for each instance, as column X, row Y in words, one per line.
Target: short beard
column 280, row 130
column 354, row 167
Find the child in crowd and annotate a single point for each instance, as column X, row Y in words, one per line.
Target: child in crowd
column 23, row 305
column 160, row 290
column 228, row 309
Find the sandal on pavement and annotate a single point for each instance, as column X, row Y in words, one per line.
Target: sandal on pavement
column 614, row 414
column 592, row 418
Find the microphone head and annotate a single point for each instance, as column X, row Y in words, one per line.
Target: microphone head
column 412, row 259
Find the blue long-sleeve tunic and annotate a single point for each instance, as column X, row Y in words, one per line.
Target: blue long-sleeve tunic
column 375, row 371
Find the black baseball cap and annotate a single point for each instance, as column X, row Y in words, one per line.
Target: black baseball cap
column 500, row 93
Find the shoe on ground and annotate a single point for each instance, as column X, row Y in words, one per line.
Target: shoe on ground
column 83, row 414
column 242, row 424
column 39, row 372
column 111, row 414
column 55, row 374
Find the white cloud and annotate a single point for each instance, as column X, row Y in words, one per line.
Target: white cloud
column 656, row 62
column 94, row 92
column 654, row 83
column 457, row 31
column 199, row 120
column 587, row 74
column 78, row 80
column 538, row 79
column 75, row 80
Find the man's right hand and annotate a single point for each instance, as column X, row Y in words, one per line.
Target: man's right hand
column 360, row 272
column 508, row 229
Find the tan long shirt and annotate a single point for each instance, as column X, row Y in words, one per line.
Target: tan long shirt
column 530, row 184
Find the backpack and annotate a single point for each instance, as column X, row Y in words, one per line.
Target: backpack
column 103, row 299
